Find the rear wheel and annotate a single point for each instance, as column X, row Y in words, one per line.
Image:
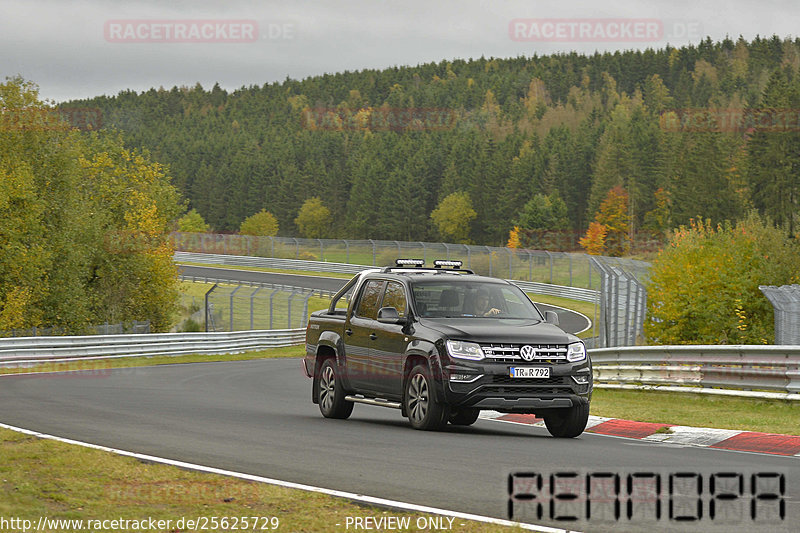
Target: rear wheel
column 567, row 423
column 331, row 394
column 423, row 410
column 465, row 417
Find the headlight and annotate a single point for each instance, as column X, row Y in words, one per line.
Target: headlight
column 465, row 350
column 576, row 352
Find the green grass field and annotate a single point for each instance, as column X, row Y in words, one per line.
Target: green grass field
column 45, row 478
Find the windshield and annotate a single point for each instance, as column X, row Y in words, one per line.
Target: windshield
column 458, row 299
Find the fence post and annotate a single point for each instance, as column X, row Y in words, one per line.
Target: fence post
column 271, row 308
column 424, row 252
column 296, row 248
column 490, row 260
column 253, row 295
column 305, row 310
column 570, row 270
column 373, row 251
column 321, row 251
column 550, row 257
column 289, row 310
column 231, row 303
column 272, row 247
column 347, row 250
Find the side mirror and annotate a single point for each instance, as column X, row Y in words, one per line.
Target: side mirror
column 390, row 315
column 551, row 317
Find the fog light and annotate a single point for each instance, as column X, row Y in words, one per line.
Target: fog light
column 582, row 379
column 464, row 378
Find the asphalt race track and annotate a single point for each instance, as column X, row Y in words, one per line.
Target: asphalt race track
column 256, row 417
column 569, row 321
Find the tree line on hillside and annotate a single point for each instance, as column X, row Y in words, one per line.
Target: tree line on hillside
column 534, row 143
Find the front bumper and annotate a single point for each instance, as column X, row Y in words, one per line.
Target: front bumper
column 491, row 386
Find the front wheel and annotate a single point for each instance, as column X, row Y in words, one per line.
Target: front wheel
column 567, row 423
column 331, row 394
column 424, row 411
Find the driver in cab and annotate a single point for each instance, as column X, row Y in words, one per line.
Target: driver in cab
column 482, row 305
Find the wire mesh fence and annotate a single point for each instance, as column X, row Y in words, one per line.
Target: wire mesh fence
column 241, row 307
column 559, row 268
column 786, row 302
column 622, row 305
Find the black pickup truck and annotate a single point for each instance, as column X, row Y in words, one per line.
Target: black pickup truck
column 442, row 343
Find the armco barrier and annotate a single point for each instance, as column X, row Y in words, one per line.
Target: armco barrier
column 268, row 262
column 744, row 368
column 574, row 293
column 29, row 350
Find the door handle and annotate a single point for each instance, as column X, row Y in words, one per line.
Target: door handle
column 348, row 331
column 373, row 336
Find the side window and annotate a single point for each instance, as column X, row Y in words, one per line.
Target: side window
column 368, row 303
column 395, row 296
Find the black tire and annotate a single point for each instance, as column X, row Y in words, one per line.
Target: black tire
column 331, row 394
column 464, row 417
column 424, row 411
column 567, row 423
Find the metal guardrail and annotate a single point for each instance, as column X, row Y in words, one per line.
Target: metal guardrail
column 748, row 369
column 756, row 371
column 289, row 288
column 269, row 262
column 30, row 350
column 574, row 293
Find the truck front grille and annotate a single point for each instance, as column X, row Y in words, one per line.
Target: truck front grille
column 510, row 353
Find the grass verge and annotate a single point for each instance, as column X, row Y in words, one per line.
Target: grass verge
column 699, row 410
column 45, row 478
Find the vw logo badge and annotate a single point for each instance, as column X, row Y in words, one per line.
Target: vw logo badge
column 527, row 352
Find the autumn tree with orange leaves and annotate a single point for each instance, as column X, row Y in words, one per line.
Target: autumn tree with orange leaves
column 608, row 234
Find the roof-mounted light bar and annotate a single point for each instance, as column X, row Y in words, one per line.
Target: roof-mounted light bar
column 409, row 262
column 439, row 263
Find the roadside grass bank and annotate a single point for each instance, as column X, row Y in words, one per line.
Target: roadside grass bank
column 699, row 410
column 685, row 409
column 45, row 478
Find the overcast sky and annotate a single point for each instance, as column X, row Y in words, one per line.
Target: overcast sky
column 84, row 48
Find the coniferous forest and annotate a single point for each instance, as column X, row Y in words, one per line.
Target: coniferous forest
column 708, row 131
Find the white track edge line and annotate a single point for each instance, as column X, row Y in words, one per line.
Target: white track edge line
column 291, row 485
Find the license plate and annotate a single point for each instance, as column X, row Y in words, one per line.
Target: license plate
column 529, row 372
